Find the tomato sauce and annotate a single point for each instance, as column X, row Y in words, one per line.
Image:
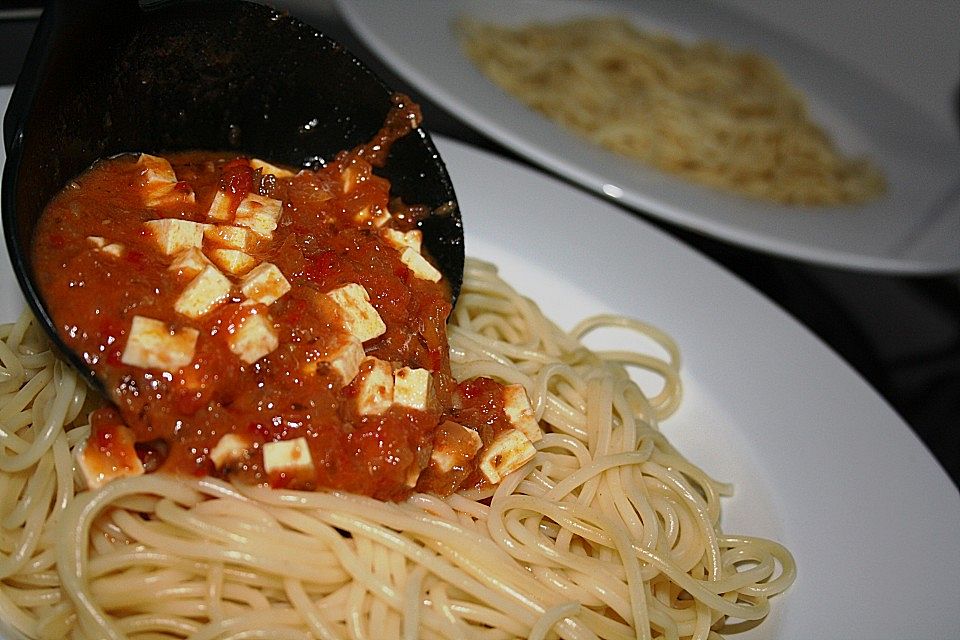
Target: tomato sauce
column 255, row 360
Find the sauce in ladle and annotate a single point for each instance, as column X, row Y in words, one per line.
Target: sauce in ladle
column 267, row 324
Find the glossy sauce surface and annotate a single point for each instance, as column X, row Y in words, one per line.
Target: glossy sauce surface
column 331, row 232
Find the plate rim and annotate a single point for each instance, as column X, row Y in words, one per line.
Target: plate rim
column 920, row 249
column 888, row 428
column 931, row 475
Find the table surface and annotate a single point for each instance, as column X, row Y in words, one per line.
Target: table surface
column 902, row 334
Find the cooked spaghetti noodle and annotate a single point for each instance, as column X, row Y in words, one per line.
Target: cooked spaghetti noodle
column 718, row 117
column 608, row 532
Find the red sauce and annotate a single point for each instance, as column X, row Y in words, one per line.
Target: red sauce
column 480, row 407
column 109, row 441
column 330, row 232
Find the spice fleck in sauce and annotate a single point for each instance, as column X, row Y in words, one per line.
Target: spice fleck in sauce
column 270, row 325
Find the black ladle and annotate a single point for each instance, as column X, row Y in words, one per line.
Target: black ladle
column 109, row 76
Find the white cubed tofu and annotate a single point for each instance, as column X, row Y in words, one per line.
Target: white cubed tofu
column 411, row 388
column 516, row 405
column 259, row 214
column 287, row 456
column 207, row 290
column 168, row 194
column 375, row 218
column 100, row 243
column 253, row 338
column 350, row 177
column 98, row 465
column 359, row 317
column 264, row 284
column 402, row 240
column 158, row 183
column 232, row 261
column 229, row 449
column 374, row 386
column 345, row 359
column 509, row 451
column 231, row 237
column 173, row 236
column 154, row 344
column 454, row 445
column 188, row 263
column 267, row 168
column 220, row 207
column 419, row 265
column 114, row 249
column 154, row 169
column 413, row 474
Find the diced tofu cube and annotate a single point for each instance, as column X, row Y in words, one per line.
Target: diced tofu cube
column 154, row 169
column 287, row 456
column 267, row 168
column 114, row 249
column 350, row 177
column 232, row 261
column 173, row 236
column 375, row 218
column 231, row 237
column 509, row 451
column 100, row 243
column 413, row 474
column 382, row 218
column 264, row 284
column 230, row 449
column 419, row 265
column 158, row 183
column 220, row 208
column 454, row 445
column 411, row 388
column 345, row 359
column 188, row 263
column 374, row 386
column 359, row 317
column 259, row 214
column 168, row 194
column 110, row 456
column 153, row 344
column 403, row 239
column 516, row 405
column 254, row 337
column 204, row 292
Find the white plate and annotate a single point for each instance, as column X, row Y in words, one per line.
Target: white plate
column 818, row 460
column 914, row 228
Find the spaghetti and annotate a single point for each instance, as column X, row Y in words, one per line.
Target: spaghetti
column 721, row 118
column 608, row 532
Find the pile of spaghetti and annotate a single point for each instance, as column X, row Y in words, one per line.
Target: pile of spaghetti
column 607, row 532
column 718, row 117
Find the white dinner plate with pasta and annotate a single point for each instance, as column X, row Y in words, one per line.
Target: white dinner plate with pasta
column 883, row 183
column 815, row 459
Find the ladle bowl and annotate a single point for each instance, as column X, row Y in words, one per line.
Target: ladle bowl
column 110, row 76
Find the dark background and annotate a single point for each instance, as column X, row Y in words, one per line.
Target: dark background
column 902, row 334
